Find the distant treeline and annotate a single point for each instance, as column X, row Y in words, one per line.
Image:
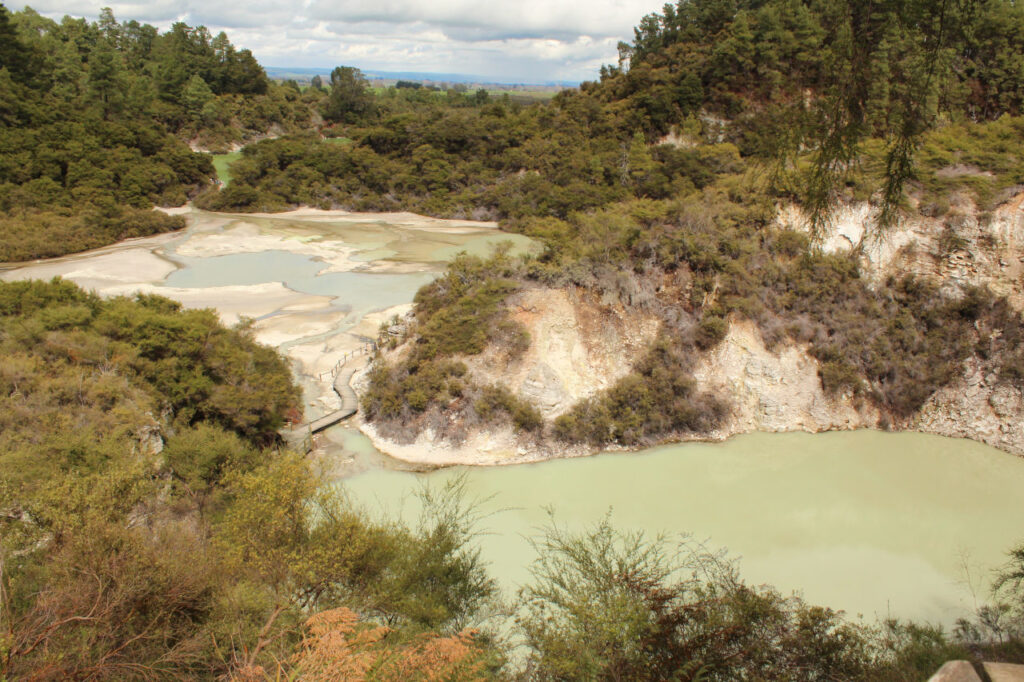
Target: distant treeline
column 834, row 98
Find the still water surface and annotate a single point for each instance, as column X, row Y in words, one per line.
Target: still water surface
column 362, row 292
column 877, row 524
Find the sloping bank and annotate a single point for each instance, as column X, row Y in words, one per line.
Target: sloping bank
column 581, row 344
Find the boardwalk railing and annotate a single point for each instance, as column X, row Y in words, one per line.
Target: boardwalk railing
column 364, row 349
column 349, row 402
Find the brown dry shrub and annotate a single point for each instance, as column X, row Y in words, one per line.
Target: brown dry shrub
column 338, row 646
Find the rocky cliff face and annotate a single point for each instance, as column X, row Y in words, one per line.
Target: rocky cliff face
column 962, row 248
column 774, row 391
column 579, row 346
column 976, row 406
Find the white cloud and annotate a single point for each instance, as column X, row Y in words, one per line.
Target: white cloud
column 524, row 40
column 160, row 13
column 522, row 18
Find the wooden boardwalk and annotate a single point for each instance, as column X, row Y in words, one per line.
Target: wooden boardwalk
column 349, row 400
column 342, row 375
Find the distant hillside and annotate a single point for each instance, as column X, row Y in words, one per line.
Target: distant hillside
column 782, row 77
column 302, row 74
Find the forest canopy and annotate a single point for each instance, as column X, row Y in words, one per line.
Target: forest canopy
column 830, row 99
column 96, row 120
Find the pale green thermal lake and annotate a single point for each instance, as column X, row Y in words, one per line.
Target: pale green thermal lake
column 877, row 524
column 300, row 273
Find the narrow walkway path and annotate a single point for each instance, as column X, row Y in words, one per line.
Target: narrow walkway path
column 342, row 373
column 349, row 400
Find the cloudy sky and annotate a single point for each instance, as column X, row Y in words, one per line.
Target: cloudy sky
column 515, row 40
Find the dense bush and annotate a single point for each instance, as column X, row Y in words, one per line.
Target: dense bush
column 658, row 399
column 399, row 392
column 191, row 368
column 495, row 400
column 94, row 119
column 28, row 235
column 146, row 587
column 608, row 605
column 134, row 468
column 460, row 313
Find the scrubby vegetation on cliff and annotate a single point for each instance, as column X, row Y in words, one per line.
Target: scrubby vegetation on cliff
column 697, row 262
column 460, row 313
column 760, row 104
column 704, row 260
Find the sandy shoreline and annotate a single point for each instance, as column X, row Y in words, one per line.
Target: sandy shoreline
column 400, row 219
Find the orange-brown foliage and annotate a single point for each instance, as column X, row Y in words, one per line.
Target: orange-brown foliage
column 337, row 646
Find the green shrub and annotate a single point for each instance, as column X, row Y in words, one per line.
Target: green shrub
column 657, row 400
column 495, row 400
column 838, row 376
column 710, row 332
column 460, row 313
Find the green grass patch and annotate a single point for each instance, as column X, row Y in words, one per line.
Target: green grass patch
column 222, row 163
column 531, row 95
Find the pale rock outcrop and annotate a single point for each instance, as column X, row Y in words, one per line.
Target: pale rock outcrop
column 774, row 391
column 577, row 348
column 150, row 439
column 977, row 406
column 148, row 445
column 990, row 250
column 484, row 446
column 955, row 671
column 1004, row 672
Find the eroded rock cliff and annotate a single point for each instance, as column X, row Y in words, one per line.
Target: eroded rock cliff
column 579, row 346
column 964, row 247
